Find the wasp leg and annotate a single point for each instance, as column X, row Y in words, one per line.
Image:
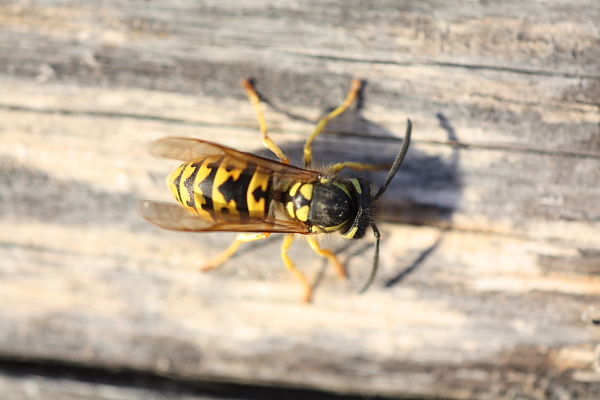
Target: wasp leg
column 226, row 255
column 356, row 84
column 289, row 264
column 269, row 144
column 328, row 254
column 358, row 166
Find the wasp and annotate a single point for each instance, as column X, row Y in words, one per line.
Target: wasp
column 222, row 189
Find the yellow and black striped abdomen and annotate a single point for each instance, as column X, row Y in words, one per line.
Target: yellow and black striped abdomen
column 223, row 188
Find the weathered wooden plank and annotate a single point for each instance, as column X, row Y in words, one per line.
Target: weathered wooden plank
column 458, row 311
column 512, row 104
column 543, row 189
column 35, row 387
column 489, row 292
column 33, row 381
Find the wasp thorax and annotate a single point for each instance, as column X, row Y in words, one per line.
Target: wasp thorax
column 329, row 206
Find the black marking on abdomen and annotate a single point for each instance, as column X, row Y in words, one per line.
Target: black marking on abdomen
column 237, row 189
column 189, row 183
column 177, row 182
column 259, row 193
column 206, row 187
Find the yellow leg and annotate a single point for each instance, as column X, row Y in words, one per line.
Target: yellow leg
column 269, row 144
column 328, row 254
column 289, row 264
column 325, row 120
column 358, row 166
column 226, row 255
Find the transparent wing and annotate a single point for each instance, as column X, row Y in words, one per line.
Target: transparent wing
column 187, row 149
column 174, row 217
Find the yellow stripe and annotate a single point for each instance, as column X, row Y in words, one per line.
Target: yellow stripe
column 343, row 187
column 356, row 185
column 260, row 180
column 170, row 181
column 334, row 228
column 219, row 202
column 351, row 233
column 185, row 193
column 203, row 173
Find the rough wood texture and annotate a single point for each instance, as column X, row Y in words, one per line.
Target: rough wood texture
column 490, row 284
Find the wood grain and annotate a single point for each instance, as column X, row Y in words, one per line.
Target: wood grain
column 490, row 273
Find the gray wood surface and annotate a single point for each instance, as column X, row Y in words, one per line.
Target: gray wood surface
column 490, row 268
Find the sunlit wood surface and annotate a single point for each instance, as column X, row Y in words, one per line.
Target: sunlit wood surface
column 489, row 284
